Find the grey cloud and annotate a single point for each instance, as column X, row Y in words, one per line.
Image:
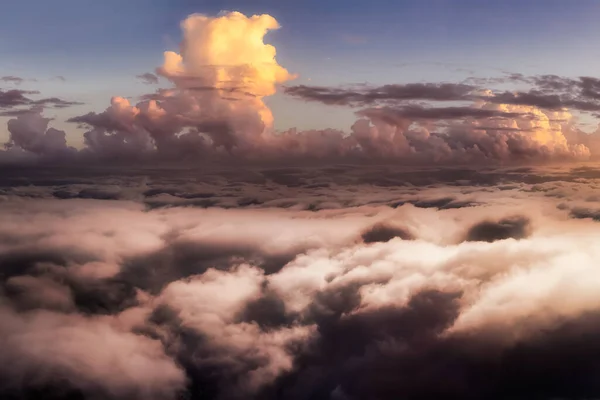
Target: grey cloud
column 13, row 98
column 590, row 87
column 543, row 100
column 553, row 82
column 547, row 92
column 97, row 120
column 554, row 92
column 584, row 213
column 12, row 79
column 56, row 102
column 443, row 203
column 30, row 132
column 16, row 112
column 361, row 96
column 16, row 98
column 394, row 116
column 148, row 78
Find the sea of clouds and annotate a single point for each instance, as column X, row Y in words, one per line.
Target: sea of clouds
column 300, row 283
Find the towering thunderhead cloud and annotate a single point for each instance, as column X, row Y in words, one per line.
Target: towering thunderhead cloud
column 226, row 52
column 220, row 76
column 227, row 56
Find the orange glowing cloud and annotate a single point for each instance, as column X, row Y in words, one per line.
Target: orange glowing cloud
column 228, row 53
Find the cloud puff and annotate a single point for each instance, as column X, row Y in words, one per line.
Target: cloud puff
column 30, row 132
column 208, row 306
column 521, row 133
column 63, row 354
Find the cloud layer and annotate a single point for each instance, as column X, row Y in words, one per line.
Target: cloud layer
column 457, row 284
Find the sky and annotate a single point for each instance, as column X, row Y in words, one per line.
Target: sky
column 99, row 47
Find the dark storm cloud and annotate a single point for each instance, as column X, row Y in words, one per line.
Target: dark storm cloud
column 361, row 96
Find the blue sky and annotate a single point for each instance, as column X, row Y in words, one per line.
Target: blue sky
column 99, row 46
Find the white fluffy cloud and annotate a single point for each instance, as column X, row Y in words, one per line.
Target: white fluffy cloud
column 91, row 354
